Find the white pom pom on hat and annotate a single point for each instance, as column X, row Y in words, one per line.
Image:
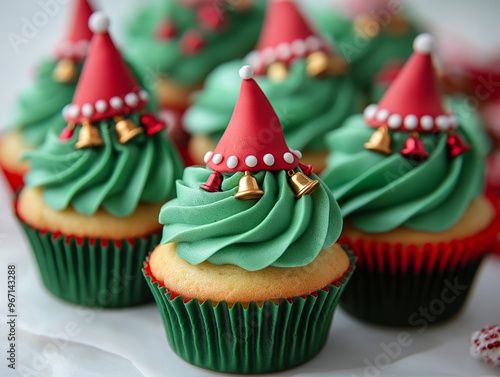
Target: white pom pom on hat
column 423, row 43
column 99, row 22
column 246, row 72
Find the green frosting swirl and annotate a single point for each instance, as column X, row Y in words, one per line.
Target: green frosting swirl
column 378, row 193
column 366, row 56
column 156, row 57
column 276, row 230
column 115, row 176
column 307, row 107
column 39, row 107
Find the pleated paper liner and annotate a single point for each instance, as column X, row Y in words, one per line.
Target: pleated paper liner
column 14, row 179
column 397, row 285
column 92, row 271
column 248, row 338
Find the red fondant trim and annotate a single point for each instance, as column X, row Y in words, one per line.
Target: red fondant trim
column 384, row 256
column 14, row 179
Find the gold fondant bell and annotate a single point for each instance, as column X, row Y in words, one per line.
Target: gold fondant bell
column 126, row 129
column 367, row 26
column 317, row 64
column 320, row 63
column 380, row 141
column 277, row 71
column 65, row 71
column 248, row 188
column 89, row 136
column 302, row 184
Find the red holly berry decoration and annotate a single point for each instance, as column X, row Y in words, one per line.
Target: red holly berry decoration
column 192, row 42
column 211, row 17
column 165, row 30
column 485, row 345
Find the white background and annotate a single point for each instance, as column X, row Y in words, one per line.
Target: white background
column 58, row 339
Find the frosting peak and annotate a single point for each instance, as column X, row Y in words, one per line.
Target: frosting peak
column 276, row 230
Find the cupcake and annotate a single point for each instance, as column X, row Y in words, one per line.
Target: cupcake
column 39, row 107
column 247, row 276
column 412, row 197
column 92, row 196
column 301, row 75
column 177, row 43
column 375, row 40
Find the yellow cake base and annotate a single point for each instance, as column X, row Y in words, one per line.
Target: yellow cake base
column 171, row 94
column 12, row 147
column 33, row 210
column 477, row 217
column 230, row 283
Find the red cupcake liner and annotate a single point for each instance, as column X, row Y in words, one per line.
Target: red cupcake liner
column 395, row 283
column 14, row 179
column 396, row 257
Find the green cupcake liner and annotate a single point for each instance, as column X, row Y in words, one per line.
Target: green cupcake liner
column 248, row 339
column 92, row 271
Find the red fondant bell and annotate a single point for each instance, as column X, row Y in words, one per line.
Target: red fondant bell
column 213, row 183
column 152, row 124
column 307, row 169
column 414, row 148
column 67, row 132
column 456, row 145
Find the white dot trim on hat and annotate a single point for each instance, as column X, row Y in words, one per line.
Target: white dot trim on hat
column 208, row 156
column 87, row 110
column 313, row 43
column 65, row 111
column 297, row 153
column 78, row 49
column 131, row 99
column 394, row 121
column 268, row 55
column 382, row 115
column 370, row 111
column 427, row 122
column 285, row 51
column 442, row 122
column 299, row 47
column 116, row 103
column 251, row 161
column 143, row 95
column 411, row 122
column 73, row 111
column 99, row 22
column 232, row 162
column 288, row 157
column 246, row 72
column 217, row 159
column 101, row 106
column 269, row 159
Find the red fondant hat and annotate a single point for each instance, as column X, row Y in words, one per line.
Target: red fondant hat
column 253, row 140
column 285, row 36
column 413, row 101
column 76, row 43
column 106, row 87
